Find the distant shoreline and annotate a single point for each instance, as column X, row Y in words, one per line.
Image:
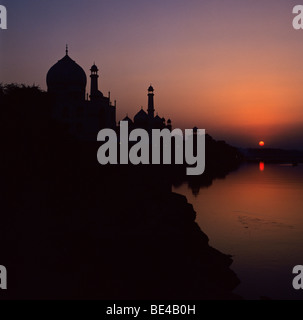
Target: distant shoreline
column 270, row 155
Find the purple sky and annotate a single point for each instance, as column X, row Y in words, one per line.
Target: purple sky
column 233, row 67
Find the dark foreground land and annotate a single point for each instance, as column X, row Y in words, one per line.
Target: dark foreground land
column 72, row 229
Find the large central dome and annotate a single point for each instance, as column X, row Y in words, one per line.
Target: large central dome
column 66, row 74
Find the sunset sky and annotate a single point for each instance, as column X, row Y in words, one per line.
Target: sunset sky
column 232, row 67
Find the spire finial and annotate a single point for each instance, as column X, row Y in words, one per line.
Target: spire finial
column 66, row 50
column 150, row 89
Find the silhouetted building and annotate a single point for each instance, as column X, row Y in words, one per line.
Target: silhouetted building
column 148, row 120
column 83, row 115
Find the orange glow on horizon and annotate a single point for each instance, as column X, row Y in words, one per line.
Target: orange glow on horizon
column 261, row 143
column 239, row 83
column 261, row 166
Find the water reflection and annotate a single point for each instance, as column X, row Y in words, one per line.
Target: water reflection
column 256, row 215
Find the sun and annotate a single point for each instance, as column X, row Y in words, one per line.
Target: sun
column 261, row 143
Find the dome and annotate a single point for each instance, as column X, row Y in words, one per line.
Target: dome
column 151, row 89
column 141, row 116
column 127, row 119
column 168, row 121
column 94, row 68
column 66, row 73
column 158, row 119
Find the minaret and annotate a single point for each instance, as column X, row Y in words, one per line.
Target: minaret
column 94, row 82
column 151, row 109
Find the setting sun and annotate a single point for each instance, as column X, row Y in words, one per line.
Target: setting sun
column 261, row 143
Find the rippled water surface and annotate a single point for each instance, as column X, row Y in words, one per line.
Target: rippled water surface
column 256, row 215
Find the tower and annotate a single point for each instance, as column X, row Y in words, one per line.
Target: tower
column 94, row 92
column 151, row 108
column 169, row 126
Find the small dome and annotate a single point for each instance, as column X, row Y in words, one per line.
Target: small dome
column 99, row 94
column 141, row 116
column 66, row 73
column 94, row 68
column 127, row 119
column 168, row 121
column 151, row 89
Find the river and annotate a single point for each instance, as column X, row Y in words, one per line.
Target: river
column 255, row 214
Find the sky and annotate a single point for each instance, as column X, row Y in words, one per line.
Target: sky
column 232, row 67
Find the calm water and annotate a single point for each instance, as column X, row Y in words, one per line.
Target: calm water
column 256, row 215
